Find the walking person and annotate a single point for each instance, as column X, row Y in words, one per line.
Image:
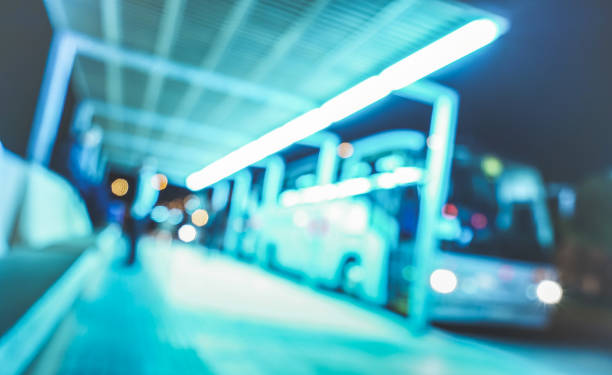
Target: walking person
column 145, row 198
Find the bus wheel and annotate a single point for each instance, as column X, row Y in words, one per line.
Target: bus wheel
column 351, row 277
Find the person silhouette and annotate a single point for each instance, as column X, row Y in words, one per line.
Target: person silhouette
column 145, row 197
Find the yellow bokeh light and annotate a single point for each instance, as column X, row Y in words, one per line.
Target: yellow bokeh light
column 345, row 150
column 159, row 181
column 492, row 166
column 199, row 217
column 120, row 187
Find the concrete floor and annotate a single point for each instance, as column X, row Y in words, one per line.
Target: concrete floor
column 182, row 311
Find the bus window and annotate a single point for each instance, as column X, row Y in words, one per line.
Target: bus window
column 409, row 213
column 520, row 241
column 474, row 198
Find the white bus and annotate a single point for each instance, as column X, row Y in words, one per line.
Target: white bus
column 493, row 264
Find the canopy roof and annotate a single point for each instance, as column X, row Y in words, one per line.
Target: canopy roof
column 271, row 61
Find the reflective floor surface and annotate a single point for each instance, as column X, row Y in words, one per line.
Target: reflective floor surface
column 185, row 311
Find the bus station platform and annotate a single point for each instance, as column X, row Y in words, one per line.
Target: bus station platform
column 185, row 310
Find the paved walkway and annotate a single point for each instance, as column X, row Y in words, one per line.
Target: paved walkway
column 183, row 312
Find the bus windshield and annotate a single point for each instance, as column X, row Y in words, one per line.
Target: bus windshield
column 473, row 202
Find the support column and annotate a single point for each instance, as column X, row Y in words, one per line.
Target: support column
column 51, row 98
column 273, row 180
column 440, row 144
column 327, row 162
column 238, row 206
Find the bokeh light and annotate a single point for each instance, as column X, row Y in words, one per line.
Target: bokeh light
column 443, row 281
column 159, row 181
column 478, row 221
column 345, row 150
column 450, row 211
column 175, row 216
column 199, row 217
column 191, row 203
column 120, row 187
column 492, row 166
column 159, row 214
column 187, row 233
column 549, row 292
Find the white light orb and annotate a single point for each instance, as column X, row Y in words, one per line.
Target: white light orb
column 549, row 292
column 187, row 233
column 443, row 281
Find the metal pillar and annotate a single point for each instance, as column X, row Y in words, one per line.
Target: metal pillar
column 440, row 144
column 327, row 163
column 51, row 98
column 238, row 205
column 273, row 180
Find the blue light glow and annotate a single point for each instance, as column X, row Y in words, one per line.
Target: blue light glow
column 175, row 216
column 354, row 186
column 440, row 53
column 352, row 100
column 159, row 214
column 386, row 180
column 319, row 193
column 351, row 187
column 289, row 198
column 192, row 203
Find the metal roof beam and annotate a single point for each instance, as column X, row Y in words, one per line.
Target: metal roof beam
column 59, row 20
column 111, row 27
column 117, row 145
column 88, row 109
column 67, row 45
column 160, row 148
column 387, row 15
column 279, row 51
column 211, row 60
column 214, row 81
column 130, row 166
column 121, row 153
column 169, row 25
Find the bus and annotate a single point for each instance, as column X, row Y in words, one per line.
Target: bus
column 494, row 259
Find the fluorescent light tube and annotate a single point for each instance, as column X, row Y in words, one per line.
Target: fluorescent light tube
column 449, row 48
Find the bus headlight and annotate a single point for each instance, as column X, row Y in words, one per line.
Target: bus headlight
column 549, row 292
column 443, row 281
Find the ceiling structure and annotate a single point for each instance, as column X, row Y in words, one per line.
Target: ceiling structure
column 290, row 55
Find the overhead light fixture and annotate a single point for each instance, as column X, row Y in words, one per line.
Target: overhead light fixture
column 449, row 48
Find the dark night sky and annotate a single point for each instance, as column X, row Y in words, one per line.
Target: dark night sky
column 540, row 94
